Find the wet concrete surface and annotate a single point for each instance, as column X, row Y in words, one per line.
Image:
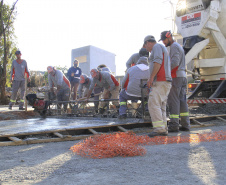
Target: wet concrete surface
column 13, row 127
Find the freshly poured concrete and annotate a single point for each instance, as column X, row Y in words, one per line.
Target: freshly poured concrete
column 13, row 127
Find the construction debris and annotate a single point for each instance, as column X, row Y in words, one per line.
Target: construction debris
column 128, row 144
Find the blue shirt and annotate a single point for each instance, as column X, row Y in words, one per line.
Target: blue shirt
column 77, row 73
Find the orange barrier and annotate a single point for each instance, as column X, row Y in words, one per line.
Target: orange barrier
column 128, row 144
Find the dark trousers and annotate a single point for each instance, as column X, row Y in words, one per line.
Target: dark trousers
column 177, row 102
column 63, row 95
column 123, row 97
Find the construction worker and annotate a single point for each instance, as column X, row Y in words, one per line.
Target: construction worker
column 84, row 85
column 110, row 85
column 74, row 74
column 18, row 71
column 98, row 89
column 177, row 100
column 56, row 78
column 159, row 83
column 131, row 89
column 135, row 57
column 133, row 61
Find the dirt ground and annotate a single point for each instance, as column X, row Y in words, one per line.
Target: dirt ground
column 15, row 113
column 53, row 163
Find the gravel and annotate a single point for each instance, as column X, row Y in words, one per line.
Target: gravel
column 208, row 109
column 53, row 163
column 187, row 164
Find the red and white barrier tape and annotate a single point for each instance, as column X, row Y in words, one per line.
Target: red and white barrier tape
column 218, row 100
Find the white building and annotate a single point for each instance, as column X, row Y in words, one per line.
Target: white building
column 90, row 57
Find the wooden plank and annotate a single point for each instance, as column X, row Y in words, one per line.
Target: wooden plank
column 73, row 138
column 93, row 131
column 34, row 132
column 61, row 135
column 58, row 134
column 12, row 143
column 15, row 139
column 200, row 126
column 36, row 141
column 222, row 119
column 212, row 116
column 197, row 122
column 122, row 129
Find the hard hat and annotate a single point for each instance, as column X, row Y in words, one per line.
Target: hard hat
column 94, row 72
column 50, row 69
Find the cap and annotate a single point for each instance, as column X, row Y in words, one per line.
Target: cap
column 17, row 52
column 50, row 69
column 143, row 60
column 94, row 72
column 165, row 34
column 143, row 52
column 149, row 38
column 83, row 78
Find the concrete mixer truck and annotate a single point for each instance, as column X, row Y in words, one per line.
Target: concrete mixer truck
column 202, row 24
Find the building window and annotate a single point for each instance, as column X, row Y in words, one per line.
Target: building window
column 81, row 59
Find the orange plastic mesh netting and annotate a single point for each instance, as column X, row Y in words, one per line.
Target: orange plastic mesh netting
column 128, row 144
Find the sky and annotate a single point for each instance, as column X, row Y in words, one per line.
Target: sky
column 47, row 30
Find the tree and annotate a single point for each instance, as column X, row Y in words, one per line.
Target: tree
column 38, row 79
column 63, row 69
column 7, row 49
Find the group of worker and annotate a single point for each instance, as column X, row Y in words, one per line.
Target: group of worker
column 101, row 80
column 166, row 84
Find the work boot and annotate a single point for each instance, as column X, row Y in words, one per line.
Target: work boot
column 184, row 129
column 101, row 110
column 10, row 108
column 153, row 134
column 173, row 129
column 21, row 108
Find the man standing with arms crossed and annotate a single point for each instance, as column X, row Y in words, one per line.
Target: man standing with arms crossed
column 177, row 100
column 74, row 74
column 18, row 71
column 159, row 84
